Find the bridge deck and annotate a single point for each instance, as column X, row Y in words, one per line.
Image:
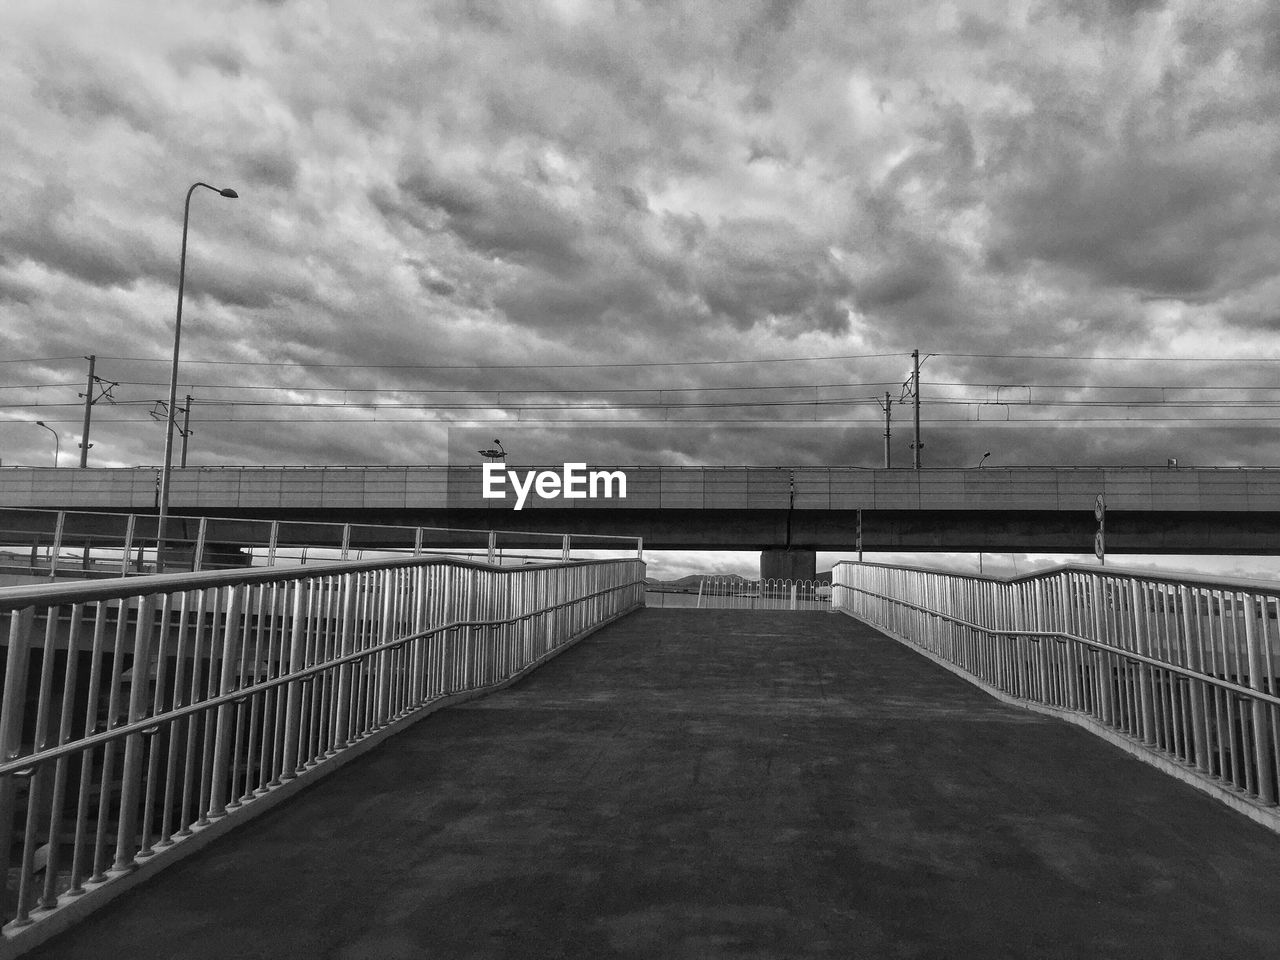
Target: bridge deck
column 706, row 784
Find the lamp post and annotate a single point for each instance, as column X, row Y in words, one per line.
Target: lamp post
column 173, row 374
column 57, row 441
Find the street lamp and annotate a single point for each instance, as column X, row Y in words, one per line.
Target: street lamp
column 173, row 374
column 57, row 441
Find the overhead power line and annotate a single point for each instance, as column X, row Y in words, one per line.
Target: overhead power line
column 511, row 366
column 1053, row 356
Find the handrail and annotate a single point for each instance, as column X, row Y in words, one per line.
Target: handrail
column 195, row 699
column 26, row 764
column 1063, row 637
column 1179, row 667
column 1144, row 573
column 16, row 597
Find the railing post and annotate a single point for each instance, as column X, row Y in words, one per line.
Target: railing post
column 640, row 548
column 1042, row 643
column 1194, row 654
column 293, row 702
column 346, row 540
column 419, row 665
column 56, row 549
column 493, row 546
column 565, row 552
column 382, row 713
column 347, row 633
column 197, row 559
column 12, row 712
column 1106, row 689
column 273, row 542
column 1261, row 735
column 231, row 631
column 1141, row 631
column 129, row 526
column 131, row 776
column 1068, row 627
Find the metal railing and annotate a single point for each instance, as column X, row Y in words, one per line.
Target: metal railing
column 138, row 713
column 1187, row 668
column 737, row 593
column 67, row 543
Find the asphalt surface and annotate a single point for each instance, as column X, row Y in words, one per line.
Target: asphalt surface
column 690, row 784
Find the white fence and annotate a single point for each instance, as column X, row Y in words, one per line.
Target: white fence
column 142, row 714
column 1185, row 667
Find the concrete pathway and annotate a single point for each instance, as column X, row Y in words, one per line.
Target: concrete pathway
column 690, row 784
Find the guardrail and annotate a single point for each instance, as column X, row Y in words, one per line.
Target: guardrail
column 75, row 543
column 141, row 716
column 1186, row 669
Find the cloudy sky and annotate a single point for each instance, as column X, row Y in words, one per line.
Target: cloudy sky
column 640, row 232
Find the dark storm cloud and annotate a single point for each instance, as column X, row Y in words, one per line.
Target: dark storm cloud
column 504, row 217
column 574, row 183
column 88, row 91
column 751, row 271
column 270, row 168
column 1158, row 224
column 96, row 250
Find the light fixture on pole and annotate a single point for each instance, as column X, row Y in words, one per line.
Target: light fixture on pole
column 983, row 460
column 57, row 441
column 173, row 374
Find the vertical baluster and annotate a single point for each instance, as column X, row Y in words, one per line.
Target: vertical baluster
column 347, row 635
column 66, row 732
column 293, row 696
column 1140, row 635
column 80, row 843
column 173, row 789
column 113, row 718
column 1265, row 786
column 224, row 717
column 131, row 775
column 1193, row 657
column 39, row 778
column 386, row 634
column 159, row 703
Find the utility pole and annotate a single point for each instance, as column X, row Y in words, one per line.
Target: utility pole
column 887, row 403
column 915, row 382
column 89, row 400
column 186, row 428
column 88, row 408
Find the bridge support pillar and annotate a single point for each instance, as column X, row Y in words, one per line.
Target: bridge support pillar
column 780, row 563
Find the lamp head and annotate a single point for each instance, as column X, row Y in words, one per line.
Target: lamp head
column 229, row 193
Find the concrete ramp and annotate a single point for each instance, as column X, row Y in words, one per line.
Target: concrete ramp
column 694, row 784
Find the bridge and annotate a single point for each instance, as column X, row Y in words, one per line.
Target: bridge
column 559, row 773
column 786, row 512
